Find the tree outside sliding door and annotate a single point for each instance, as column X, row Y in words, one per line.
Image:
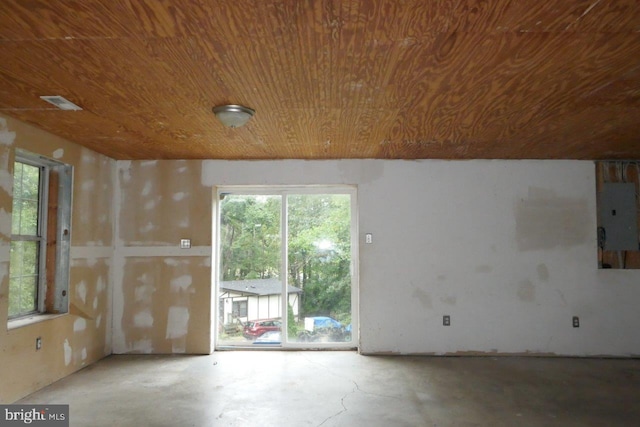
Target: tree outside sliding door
column 310, row 234
column 319, row 264
column 250, row 284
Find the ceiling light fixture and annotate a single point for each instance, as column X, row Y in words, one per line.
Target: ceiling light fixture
column 233, row 116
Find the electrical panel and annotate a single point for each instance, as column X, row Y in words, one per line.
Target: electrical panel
column 619, row 216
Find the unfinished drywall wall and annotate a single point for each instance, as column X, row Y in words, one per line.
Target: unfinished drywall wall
column 74, row 340
column 162, row 301
column 507, row 249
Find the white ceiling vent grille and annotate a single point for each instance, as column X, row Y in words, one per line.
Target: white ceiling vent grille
column 61, row 103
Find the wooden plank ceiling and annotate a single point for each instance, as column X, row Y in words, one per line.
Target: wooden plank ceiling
column 328, row 78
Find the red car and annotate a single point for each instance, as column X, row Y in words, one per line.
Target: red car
column 254, row 328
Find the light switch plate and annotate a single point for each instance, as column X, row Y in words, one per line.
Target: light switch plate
column 185, row 243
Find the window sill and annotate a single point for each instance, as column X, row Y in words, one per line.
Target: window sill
column 30, row 320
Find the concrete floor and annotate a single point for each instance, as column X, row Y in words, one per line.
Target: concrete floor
column 268, row 388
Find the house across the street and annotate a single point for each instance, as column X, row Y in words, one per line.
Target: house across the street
column 244, row 300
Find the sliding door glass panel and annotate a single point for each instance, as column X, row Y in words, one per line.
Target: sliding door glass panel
column 250, row 283
column 319, row 291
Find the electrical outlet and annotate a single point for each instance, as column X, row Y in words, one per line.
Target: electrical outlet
column 576, row 322
column 38, row 343
column 446, row 320
column 368, row 238
column 185, row 243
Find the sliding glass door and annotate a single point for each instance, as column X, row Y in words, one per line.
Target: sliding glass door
column 286, row 275
column 249, row 280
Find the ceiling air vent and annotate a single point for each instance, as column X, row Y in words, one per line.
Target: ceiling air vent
column 61, row 103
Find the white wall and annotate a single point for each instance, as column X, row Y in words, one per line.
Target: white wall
column 506, row 248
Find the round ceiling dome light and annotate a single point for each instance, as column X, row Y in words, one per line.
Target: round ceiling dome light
column 233, row 116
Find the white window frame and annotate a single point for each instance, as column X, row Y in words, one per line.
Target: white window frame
column 269, row 190
column 60, row 300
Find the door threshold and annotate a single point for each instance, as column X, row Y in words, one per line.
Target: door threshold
column 273, row 348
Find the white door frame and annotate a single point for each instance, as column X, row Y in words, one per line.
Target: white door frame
column 285, row 191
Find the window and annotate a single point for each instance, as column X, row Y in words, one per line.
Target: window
column 40, row 236
column 26, row 240
column 240, row 309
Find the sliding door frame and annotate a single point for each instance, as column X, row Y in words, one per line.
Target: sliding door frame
column 284, row 192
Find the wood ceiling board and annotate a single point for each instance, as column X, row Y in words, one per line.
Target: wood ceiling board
column 113, row 141
column 545, row 16
column 64, row 19
column 384, row 78
column 12, row 95
column 484, row 87
column 389, row 18
column 592, row 132
column 94, row 19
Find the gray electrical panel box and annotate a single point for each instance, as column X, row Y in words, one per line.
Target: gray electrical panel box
column 619, row 216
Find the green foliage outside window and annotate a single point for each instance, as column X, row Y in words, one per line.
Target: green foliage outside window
column 23, row 268
column 292, row 328
column 319, row 242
